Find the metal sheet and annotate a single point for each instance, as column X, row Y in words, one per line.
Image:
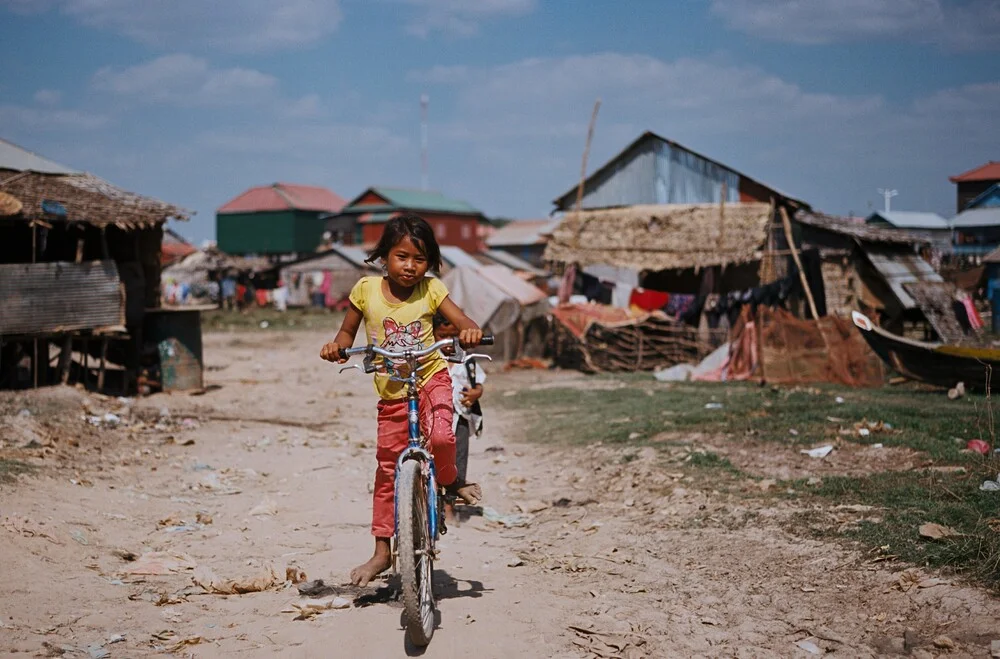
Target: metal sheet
column 898, row 268
column 41, row 298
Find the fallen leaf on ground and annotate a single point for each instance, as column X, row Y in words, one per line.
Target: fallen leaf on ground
column 204, row 518
column 26, row 528
column 937, row 531
column 184, row 643
column 266, row 507
column 533, row 506
column 212, row 583
column 944, row 643
column 295, row 575
column 160, row 563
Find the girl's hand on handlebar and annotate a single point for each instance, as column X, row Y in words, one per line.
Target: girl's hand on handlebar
column 331, row 353
column 470, row 338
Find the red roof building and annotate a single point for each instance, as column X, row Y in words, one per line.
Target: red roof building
column 282, row 218
column 284, row 196
column 973, row 183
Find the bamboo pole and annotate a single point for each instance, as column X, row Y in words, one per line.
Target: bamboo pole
column 586, row 154
column 798, row 262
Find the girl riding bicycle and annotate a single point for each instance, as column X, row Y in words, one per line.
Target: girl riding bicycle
column 398, row 309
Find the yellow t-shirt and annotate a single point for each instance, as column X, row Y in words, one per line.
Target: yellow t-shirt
column 402, row 325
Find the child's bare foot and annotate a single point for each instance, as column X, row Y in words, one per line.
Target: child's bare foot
column 380, row 561
column 470, row 493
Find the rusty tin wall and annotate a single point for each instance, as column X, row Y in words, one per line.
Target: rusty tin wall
column 46, row 298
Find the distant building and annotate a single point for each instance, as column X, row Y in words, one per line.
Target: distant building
column 454, row 221
column 655, row 170
column 277, row 219
column 929, row 226
column 524, row 239
column 973, row 183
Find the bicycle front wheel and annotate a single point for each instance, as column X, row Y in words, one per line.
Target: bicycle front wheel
column 416, row 565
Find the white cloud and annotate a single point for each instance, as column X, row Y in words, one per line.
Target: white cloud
column 461, row 17
column 966, row 25
column 48, row 97
column 187, row 81
column 16, row 118
column 235, row 25
column 521, row 127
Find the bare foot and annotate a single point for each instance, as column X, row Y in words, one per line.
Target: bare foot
column 380, row 561
column 470, row 493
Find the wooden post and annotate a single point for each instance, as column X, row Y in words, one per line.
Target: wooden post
column 798, row 262
column 586, row 154
column 79, row 250
column 86, row 361
column 65, row 359
column 105, row 251
column 104, row 357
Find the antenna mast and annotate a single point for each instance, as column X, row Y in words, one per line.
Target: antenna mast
column 888, row 194
column 424, row 101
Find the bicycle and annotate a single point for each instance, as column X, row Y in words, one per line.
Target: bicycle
column 419, row 508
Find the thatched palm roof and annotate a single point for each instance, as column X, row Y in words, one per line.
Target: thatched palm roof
column 662, row 237
column 86, row 198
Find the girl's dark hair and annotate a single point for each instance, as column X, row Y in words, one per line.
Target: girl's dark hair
column 418, row 230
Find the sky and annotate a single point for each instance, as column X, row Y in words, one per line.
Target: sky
column 193, row 101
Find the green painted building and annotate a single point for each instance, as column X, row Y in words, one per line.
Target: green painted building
column 282, row 218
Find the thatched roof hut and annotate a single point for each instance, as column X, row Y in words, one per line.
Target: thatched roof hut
column 662, row 237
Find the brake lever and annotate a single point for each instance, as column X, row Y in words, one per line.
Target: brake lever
column 469, row 357
column 352, row 366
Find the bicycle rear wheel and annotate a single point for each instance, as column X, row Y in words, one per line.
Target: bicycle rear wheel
column 416, row 565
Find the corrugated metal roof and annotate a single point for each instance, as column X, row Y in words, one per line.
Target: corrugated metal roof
column 910, row 220
column 513, row 262
column 976, row 218
column 523, row 232
column 456, row 256
column 414, row 200
column 865, row 233
column 337, row 254
column 21, row 160
column 899, row 267
column 988, row 172
column 284, row 196
column 41, row 298
column 567, row 200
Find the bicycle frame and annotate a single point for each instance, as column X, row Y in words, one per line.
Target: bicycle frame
column 417, row 448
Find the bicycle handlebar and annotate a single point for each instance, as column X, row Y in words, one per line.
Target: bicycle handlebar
column 487, row 340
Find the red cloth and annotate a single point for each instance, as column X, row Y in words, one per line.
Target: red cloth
column 648, row 300
column 436, row 415
column 261, row 294
column 970, row 309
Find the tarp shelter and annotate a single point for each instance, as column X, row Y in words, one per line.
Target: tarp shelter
column 499, row 301
column 345, row 265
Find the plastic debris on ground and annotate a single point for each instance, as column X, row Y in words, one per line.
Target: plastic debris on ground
column 510, row 521
column 713, row 406
column 979, row 446
column 818, row 452
column 991, row 486
column 809, row 646
column 676, row 373
column 314, row 607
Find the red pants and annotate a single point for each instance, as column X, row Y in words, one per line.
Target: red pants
column 393, row 437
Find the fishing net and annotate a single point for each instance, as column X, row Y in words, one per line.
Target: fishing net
column 773, row 345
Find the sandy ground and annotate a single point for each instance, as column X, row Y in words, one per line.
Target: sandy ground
column 607, row 553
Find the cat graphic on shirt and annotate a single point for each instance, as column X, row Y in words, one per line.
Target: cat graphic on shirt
column 401, row 337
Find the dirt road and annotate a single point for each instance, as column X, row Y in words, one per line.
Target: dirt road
column 607, row 552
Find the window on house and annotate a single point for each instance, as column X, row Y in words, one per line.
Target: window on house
column 466, row 231
column 440, row 230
